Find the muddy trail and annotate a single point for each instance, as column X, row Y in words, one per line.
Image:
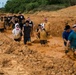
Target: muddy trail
column 19, row 59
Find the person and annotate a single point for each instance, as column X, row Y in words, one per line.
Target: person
column 26, row 32
column 1, row 24
column 30, row 23
column 66, row 34
column 46, row 26
column 14, row 20
column 43, row 36
column 21, row 18
column 17, row 32
column 72, row 40
column 37, row 31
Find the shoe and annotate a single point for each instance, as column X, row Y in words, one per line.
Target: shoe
column 66, row 51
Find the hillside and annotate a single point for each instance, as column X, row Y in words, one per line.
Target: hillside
column 19, row 59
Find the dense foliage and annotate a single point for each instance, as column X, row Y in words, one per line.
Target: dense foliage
column 16, row 6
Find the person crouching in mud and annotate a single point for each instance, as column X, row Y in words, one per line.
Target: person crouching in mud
column 65, row 36
column 72, row 40
column 17, row 32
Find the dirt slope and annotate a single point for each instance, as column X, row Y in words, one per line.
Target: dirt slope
column 57, row 19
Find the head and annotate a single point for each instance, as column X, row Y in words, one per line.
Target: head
column 45, row 19
column 39, row 26
column 27, row 23
column 28, row 18
column 1, row 18
column 67, row 28
column 74, row 27
column 17, row 25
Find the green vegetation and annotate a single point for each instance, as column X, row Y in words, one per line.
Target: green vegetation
column 15, row 6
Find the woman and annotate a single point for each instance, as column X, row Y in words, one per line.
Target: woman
column 17, row 32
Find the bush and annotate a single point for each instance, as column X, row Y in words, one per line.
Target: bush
column 31, row 6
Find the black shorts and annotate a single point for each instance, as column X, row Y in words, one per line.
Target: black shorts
column 19, row 39
column 43, row 41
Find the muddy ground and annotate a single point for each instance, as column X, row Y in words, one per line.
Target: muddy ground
column 19, row 59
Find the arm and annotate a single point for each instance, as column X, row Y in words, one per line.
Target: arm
column 23, row 31
column 69, row 40
column 13, row 31
column 64, row 40
column 64, row 37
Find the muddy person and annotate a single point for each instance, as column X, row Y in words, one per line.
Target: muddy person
column 1, row 24
column 37, row 31
column 26, row 32
column 31, row 25
column 65, row 36
column 21, row 18
column 17, row 32
column 72, row 40
column 43, row 36
column 14, row 20
column 46, row 26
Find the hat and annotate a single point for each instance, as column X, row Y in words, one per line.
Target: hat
column 17, row 25
column 67, row 27
column 74, row 25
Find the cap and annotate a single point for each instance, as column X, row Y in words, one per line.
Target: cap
column 74, row 25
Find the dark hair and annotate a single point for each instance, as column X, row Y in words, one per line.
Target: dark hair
column 67, row 27
column 39, row 25
column 27, row 21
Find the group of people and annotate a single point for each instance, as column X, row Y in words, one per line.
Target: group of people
column 69, row 37
column 24, row 27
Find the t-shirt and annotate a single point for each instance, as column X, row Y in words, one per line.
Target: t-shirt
column 20, row 17
column 66, row 34
column 72, row 39
column 31, row 23
column 27, row 31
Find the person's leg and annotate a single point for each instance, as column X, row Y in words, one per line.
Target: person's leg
column 41, row 42
column 25, row 40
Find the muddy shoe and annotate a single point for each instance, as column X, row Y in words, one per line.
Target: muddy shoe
column 66, row 51
column 74, row 55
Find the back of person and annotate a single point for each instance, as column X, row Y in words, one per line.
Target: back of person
column 47, row 26
column 43, row 35
column 27, row 31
